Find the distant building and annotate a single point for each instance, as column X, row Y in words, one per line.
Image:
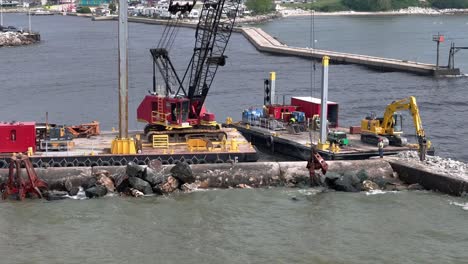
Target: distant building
column 93, row 2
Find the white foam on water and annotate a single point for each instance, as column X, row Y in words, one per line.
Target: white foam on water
column 464, row 206
column 375, row 192
column 80, row 195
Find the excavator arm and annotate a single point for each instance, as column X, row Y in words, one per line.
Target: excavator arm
column 400, row 105
column 411, row 105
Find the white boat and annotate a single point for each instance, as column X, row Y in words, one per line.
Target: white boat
column 41, row 12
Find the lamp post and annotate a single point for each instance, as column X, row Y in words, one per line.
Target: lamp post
column 438, row 38
column 1, row 13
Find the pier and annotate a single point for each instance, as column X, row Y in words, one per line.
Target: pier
column 266, row 43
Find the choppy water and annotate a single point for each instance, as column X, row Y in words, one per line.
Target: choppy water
column 238, row 226
column 72, row 74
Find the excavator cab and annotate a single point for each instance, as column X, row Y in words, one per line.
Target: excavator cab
column 397, row 123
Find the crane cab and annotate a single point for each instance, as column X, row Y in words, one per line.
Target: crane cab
column 169, row 112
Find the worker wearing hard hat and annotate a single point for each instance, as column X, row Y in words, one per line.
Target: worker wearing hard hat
column 380, row 145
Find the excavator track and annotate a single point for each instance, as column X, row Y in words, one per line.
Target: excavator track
column 373, row 139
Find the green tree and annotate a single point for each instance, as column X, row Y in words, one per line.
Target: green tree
column 260, row 6
column 84, row 10
column 379, row 5
column 112, row 8
column 449, row 3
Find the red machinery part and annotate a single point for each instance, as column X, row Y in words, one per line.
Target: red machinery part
column 316, row 162
column 17, row 185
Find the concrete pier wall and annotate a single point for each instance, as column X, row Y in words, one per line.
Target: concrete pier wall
column 441, row 182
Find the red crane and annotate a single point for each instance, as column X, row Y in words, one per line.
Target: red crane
column 177, row 106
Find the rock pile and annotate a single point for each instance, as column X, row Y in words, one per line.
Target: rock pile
column 140, row 180
column 14, row 39
column 437, row 164
column 359, row 182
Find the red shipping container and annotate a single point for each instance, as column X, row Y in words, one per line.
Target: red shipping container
column 355, row 130
column 17, row 137
column 311, row 106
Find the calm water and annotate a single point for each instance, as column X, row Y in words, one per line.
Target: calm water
column 72, row 74
column 238, row 226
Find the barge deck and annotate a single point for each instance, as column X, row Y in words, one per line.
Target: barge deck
column 95, row 151
column 298, row 145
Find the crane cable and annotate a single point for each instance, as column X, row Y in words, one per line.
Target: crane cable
column 313, row 65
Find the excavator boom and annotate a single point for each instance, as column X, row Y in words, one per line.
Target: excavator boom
column 389, row 127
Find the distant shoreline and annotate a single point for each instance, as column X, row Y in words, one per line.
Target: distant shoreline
column 412, row 11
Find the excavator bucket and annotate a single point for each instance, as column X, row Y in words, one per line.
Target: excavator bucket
column 16, row 185
column 316, row 162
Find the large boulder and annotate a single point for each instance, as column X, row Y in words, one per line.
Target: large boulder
column 135, row 170
column 344, row 182
column 90, row 182
column 171, row 185
column 140, row 185
column 121, row 182
column 96, row 191
column 370, row 186
column 182, row 172
column 106, row 182
column 154, row 177
column 73, row 191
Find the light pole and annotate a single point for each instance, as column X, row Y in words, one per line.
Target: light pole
column 1, row 13
column 438, row 38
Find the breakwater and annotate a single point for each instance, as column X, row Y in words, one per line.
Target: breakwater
column 394, row 174
column 18, row 38
column 266, row 43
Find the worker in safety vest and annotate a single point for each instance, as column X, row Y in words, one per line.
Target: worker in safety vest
column 292, row 120
column 380, row 145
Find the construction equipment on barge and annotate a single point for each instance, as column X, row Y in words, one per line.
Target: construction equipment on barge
column 390, row 126
column 177, row 109
column 269, row 127
column 16, row 185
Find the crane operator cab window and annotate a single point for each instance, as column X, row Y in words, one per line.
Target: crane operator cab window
column 185, row 111
column 179, row 111
column 397, row 122
column 174, row 112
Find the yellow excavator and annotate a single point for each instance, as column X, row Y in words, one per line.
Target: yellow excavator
column 389, row 127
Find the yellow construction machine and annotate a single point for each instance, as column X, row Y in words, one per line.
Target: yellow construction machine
column 389, row 127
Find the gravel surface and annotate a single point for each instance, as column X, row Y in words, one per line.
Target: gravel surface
column 453, row 168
